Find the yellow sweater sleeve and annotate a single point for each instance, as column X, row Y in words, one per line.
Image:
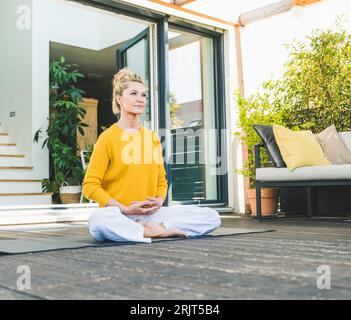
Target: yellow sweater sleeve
column 97, row 167
column 162, row 184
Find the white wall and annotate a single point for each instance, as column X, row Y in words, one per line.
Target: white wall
column 16, row 71
column 262, row 41
column 236, row 197
column 73, row 24
column 112, row 29
column 264, row 54
column 77, row 25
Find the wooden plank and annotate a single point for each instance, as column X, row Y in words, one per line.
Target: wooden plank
column 239, row 61
column 265, row 11
column 12, row 294
column 271, row 10
column 12, row 155
column 26, row 194
column 240, row 77
column 305, row 2
column 16, row 168
column 90, row 133
column 205, row 16
column 7, row 144
column 182, row 40
column 276, row 265
column 19, row 180
column 183, row 2
column 89, row 102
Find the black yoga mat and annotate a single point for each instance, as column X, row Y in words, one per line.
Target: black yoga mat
column 12, row 242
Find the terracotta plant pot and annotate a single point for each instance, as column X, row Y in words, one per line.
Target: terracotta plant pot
column 269, row 201
column 70, row 194
column 67, row 198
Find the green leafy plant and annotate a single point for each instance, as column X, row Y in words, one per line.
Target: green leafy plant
column 316, row 86
column 255, row 110
column 174, row 107
column 89, row 151
column 313, row 93
column 65, row 118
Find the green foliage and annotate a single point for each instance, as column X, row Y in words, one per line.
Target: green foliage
column 313, row 93
column 89, row 152
column 256, row 110
column 174, row 107
column 65, row 118
column 316, row 87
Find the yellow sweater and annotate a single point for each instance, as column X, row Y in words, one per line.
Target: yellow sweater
column 126, row 166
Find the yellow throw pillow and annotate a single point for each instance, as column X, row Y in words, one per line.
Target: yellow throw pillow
column 299, row 148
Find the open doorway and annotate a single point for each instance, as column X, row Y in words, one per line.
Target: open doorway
column 96, row 46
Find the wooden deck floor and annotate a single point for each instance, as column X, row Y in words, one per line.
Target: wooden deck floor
column 275, row 265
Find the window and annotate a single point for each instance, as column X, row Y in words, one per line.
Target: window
column 194, row 129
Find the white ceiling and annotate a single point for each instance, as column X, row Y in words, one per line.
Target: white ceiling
column 226, row 9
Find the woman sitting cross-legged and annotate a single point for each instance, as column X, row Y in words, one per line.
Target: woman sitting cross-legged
column 126, row 176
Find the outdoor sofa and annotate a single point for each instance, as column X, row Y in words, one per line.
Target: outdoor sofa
column 306, row 176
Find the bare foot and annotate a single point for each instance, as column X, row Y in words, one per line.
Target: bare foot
column 155, row 230
column 171, row 233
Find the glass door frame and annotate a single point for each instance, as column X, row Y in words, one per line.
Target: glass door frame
column 120, row 57
column 219, row 104
column 121, row 62
column 163, row 22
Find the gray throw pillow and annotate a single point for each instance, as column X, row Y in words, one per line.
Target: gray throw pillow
column 267, row 136
column 333, row 146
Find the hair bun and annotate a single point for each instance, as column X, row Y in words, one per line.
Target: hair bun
column 120, row 83
column 124, row 75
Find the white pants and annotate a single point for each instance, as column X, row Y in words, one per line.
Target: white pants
column 110, row 224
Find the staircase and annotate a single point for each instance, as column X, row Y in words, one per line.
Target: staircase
column 16, row 184
column 17, row 216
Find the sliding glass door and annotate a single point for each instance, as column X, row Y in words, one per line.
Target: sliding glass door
column 195, row 126
column 183, row 67
column 135, row 55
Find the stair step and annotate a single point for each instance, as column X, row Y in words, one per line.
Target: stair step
column 19, row 180
column 26, row 194
column 39, row 214
column 15, row 174
column 12, row 155
column 15, row 168
column 8, row 148
column 20, row 186
column 12, row 160
column 25, row 208
column 45, row 218
column 19, row 183
column 25, row 199
column 4, row 138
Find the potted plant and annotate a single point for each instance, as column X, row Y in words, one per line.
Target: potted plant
column 65, row 119
column 257, row 110
column 310, row 95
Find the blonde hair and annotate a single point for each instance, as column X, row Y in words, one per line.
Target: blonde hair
column 120, row 83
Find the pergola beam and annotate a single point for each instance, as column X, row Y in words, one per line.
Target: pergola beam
column 305, row 2
column 182, row 2
column 271, row 10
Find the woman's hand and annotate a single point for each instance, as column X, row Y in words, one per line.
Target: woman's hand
column 155, row 202
column 139, row 208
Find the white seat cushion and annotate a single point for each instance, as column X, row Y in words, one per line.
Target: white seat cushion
column 346, row 137
column 331, row 172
